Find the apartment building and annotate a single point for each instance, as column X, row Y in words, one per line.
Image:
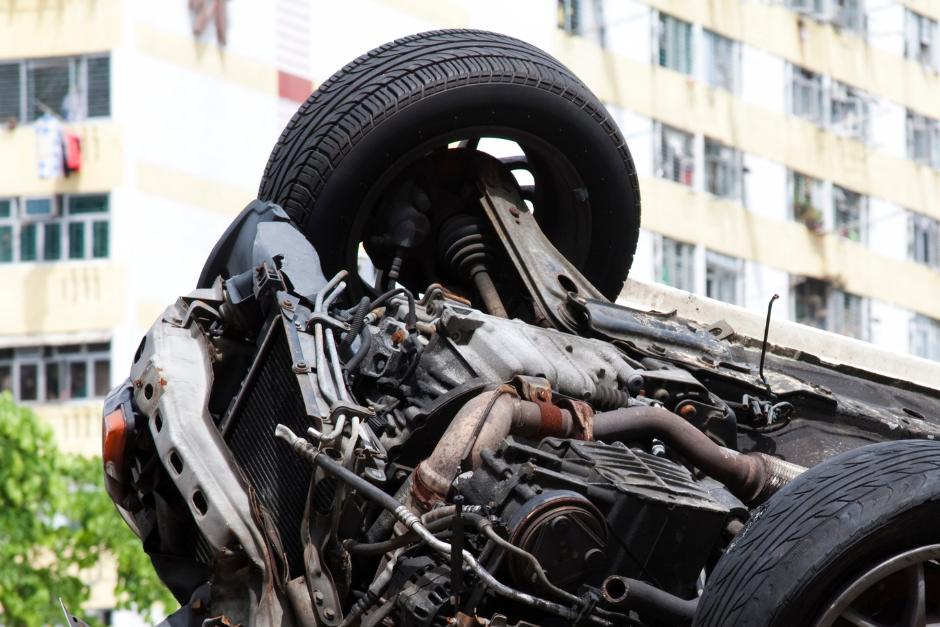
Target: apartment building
column 176, row 106
column 787, row 146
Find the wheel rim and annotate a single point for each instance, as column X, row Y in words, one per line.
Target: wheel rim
column 902, row 590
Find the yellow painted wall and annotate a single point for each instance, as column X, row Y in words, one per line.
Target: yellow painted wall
column 60, row 297
column 102, row 156
column 192, row 190
column 685, row 103
column 930, row 8
column 676, row 211
column 76, row 425
column 47, row 28
column 815, row 46
column 208, row 59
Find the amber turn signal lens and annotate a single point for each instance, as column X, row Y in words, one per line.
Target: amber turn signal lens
column 113, row 441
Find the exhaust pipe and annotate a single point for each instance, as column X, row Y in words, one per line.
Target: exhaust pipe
column 482, row 423
column 752, row 477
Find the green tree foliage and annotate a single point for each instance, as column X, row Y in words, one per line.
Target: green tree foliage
column 56, row 520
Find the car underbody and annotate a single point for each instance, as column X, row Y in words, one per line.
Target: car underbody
column 298, row 444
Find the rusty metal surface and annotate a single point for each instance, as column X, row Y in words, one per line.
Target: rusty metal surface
column 785, row 338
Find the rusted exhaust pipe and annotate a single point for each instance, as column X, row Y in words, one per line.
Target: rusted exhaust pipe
column 751, row 477
column 648, row 601
column 482, row 423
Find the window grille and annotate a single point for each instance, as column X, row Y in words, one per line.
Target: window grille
column 52, row 374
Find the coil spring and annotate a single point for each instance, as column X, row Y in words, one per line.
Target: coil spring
column 466, row 244
column 609, row 398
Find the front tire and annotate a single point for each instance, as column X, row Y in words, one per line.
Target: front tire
column 832, row 525
column 398, row 102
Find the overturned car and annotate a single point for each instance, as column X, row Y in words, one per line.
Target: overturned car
column 401, row 393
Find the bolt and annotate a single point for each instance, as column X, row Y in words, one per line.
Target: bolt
column 594, row 559
column 514, row 211
column 287, row 303
column 329, row 613
column 560, row 525
column 301, row 364
column 318, row 597
column 688, row 411
column 635, row 383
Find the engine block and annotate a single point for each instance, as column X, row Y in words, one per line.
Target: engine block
column 587, row 510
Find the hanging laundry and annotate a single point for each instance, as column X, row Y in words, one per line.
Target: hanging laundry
column 72, row 147
column 49, row 146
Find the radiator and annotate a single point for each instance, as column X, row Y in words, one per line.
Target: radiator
column 279, row 477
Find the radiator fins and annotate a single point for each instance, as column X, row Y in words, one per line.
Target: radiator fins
column 279, row 478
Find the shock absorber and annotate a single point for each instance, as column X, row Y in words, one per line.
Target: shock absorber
column 466, row 246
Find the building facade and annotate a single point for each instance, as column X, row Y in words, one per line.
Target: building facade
column 788, row 147
column 176, row 106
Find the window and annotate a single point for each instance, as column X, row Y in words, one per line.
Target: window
column 675, row 44
column 723, row 56
column 849, row 314
column 848, row 111
column 925, row 337
column 569, row 16
column 850, row 214
column 923, row 139
column 722, row 169
column 722, row 277
column 921, row 40
column 675, row 159
column 47, row 374
column 54, row 228
column 806, row 90
column 74, row 88
column 847, row 14
column 818, row 304
column 923, row 239
column 806, row 204
column 677, row 264
column 10, row 91
column 816, row 8
column 811, row 303
column 582, row 18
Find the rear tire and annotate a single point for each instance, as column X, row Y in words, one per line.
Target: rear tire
column 399, row 101
column 824, row 530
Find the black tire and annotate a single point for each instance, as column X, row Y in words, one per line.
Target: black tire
column 830, row 525
column 428, row 89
